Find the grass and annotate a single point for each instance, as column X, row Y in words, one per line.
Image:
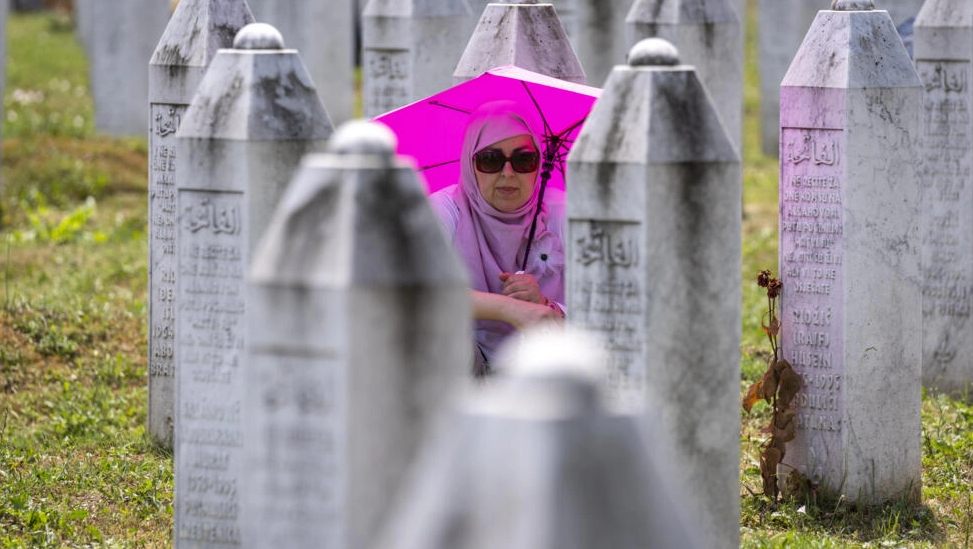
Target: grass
column 76, row 466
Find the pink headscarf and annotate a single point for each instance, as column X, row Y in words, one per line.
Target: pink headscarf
column 490, row 241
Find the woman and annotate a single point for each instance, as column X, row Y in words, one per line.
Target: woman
column 489, row 214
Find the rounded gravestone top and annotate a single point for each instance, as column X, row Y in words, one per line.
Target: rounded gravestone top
column 258, row 36
column 363, row 137
column 653, row 52
column 852, row 5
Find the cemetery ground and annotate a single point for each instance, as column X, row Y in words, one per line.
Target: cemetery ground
column 76, row 465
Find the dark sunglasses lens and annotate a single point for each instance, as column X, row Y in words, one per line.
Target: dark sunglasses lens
column 489, row 161
column 524, row 162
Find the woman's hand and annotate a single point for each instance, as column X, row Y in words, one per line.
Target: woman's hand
column 525, row 314
column 522, row 286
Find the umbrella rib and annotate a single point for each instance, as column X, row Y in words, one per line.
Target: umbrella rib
column 547, row 127
column 445, row 106
column 572, row 127
column 431, row 166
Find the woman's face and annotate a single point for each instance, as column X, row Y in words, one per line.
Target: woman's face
column 507, row 189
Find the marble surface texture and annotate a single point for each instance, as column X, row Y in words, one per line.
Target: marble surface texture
column 356, row 343
column 529, row 36
column 850, row 257
column 943, row 43
column 654, row 233
column 254, row 116
column 197, row 29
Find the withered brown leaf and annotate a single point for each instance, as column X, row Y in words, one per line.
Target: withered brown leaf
column 769, row 459
column 774, row 326
column 754, row 393
column 770, row 384
column 788, row 386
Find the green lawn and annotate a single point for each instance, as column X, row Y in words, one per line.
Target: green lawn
column 76, row 466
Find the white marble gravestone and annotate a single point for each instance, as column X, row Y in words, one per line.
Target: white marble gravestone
column 527, row 35
column 197, row 29
column 899, row 10
column 255, row 114
column 534, row 461
column 781, row 24
column 653, row 268
column 322, row 31
column 707, row 34
column 943, row 46
column 409, row 50
column 600, row 36
column 123, row 36
column 850, row 256
column 360, row 331
column 84, row 23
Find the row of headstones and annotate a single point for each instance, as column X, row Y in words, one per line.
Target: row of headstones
column 506, row 34
column 117, row 38
column 840, row 435
column 529, row 35
column 303, row 394
column 306, row 383
column 409, row 47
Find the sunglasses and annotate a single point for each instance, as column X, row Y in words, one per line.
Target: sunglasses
column 492, row 161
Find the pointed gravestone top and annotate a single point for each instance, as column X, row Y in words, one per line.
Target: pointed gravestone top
column 198, row 29
column 529, row 36
column 260, row 93
column 851, row 47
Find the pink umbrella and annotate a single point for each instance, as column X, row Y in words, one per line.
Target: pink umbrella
column 431, row 129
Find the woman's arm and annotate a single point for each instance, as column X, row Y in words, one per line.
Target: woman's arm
column 517, row 313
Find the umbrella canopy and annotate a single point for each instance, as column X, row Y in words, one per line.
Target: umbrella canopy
column 431, row 129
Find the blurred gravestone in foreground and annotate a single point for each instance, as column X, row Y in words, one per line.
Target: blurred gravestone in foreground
column 360, row 331
column 533, row 460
